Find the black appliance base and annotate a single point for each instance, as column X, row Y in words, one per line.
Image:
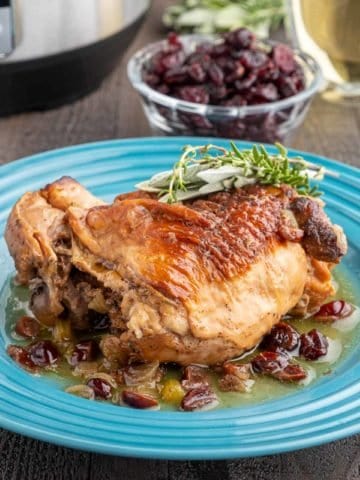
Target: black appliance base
column 52, row 81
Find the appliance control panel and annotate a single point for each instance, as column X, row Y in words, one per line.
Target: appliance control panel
column 6, row 28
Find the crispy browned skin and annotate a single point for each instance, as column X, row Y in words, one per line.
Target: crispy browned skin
column 320, row 240
column 184, row 246
column 195, row 282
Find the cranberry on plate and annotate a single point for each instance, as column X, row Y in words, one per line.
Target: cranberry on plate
column 102, row 388
column 313, row 345
column 138, row 400
column 43, row 353
column 282, row 336
column 27, row 327
column 331, row 311
column 194, row 377
column 199, row 398
column 277, row 365
column 20, row 355
column 84, row 351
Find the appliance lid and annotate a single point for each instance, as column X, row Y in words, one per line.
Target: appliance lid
column 32, row 29
column 6, row 28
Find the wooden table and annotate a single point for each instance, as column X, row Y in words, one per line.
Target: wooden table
column 114, row 112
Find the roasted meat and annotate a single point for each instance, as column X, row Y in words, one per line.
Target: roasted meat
column 198, row 282
column 39, row 240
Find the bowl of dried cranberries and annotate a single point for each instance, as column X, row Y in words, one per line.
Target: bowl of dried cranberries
column 234, row 86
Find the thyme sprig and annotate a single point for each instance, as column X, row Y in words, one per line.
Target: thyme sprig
column 210, row 168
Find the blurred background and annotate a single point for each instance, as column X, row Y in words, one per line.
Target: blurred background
column 62, row 61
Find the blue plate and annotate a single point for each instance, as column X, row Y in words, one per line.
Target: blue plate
column 326, row 411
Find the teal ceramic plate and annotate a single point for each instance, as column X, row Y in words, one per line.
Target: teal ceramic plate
column 327, row 410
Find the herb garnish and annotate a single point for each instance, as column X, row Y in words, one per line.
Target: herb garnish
column 211, row 16
column 210, row 168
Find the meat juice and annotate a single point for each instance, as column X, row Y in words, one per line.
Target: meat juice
column 342, row 335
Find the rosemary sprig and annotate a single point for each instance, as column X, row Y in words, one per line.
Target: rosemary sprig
column 211, row 168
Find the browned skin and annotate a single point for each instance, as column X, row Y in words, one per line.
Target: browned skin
column 320, row 239
column 212, row 240
column 194, row 282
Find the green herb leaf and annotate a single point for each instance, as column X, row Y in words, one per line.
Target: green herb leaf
column 212, row 16
column 208, row 168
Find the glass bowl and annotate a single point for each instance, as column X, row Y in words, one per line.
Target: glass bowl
column 268, row 122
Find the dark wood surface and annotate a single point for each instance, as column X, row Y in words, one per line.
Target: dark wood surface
column 114, row 112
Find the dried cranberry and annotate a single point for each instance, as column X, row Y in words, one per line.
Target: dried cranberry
column 254, row 132
column 98, row 321
column 329, row 312
column 195, row 94
column 102, row 388
column 268, row 72
column 202, row 58
column 235, row 101
column 313, row 345
column 199, row 398
column 277, row 366
column 43, row 353
column 174, row 40
column 240, row 38
column 176, row 75
column 163, row 88
column 225, row 63
column 236, row 73
column 216, row 93
column 269, row 362
column 27, row 327
column 198, row 121
column 138, row 400
column 196, row 72
column 245, row 83
column 299, row 82
column 282, row 336
column 283, row 57
column 236, row 54
column 287, row 86
column 219, row 50
column 173, row 60
column 252, row 59
column 20, row 355
column 216, row 74
column 84, row 351
column 194, row 377
column 235, row 377
column 267, row 92
column 292, row 373
column 233, row 129
column 269, row 124
column 205, row 47
column 155, row 64
column 232, row 383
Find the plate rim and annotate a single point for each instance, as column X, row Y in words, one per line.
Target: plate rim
column 151, row 452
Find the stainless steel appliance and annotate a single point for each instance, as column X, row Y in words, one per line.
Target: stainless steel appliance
column 54, row 51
